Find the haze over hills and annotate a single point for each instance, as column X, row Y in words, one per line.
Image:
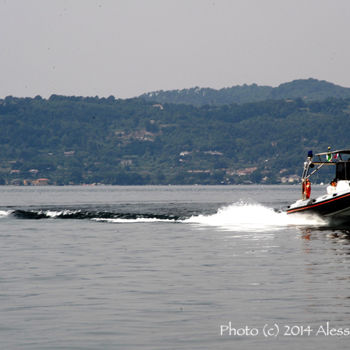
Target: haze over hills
column 307, row 89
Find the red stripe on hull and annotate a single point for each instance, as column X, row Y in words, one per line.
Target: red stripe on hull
column 316, row 205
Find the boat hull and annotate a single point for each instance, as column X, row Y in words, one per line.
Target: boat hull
column 335, row 207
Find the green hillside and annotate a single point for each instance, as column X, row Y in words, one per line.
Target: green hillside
column 306, row 89
column 76, row 140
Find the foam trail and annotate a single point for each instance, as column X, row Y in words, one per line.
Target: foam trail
column 55, row 214
column 254, row 217
column 139, row 220
column 5, row 213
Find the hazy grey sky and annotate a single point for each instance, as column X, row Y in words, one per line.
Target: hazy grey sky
column 127, row 47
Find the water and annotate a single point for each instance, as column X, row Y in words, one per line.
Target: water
column 169, row 268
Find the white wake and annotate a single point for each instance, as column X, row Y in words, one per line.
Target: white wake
column 137, row 220
column 5, row 213
column 254, row 217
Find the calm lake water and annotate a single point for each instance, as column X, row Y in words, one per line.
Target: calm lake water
column 169, row 268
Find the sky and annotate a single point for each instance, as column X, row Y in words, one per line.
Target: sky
column 127, row 47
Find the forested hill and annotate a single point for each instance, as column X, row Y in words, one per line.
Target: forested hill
column 307, row 89
column 76, row 140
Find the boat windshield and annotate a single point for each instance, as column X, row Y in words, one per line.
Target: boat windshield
column 343, row 171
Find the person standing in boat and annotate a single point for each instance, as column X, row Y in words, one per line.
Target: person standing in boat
column 306, row 189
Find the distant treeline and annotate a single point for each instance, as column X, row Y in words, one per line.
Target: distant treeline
column 307, row 89
column 85, row 140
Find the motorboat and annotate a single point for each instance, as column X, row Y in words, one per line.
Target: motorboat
column 335, row 204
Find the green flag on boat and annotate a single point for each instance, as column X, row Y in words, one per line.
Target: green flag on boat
column 329, row 155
